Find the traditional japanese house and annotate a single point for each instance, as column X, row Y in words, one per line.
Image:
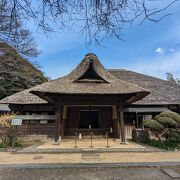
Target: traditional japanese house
column 92, row 98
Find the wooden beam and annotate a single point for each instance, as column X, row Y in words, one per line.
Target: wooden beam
column 85, row 99
column 43, row 96
column 36, row 117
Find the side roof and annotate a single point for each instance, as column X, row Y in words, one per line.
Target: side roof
column 162, row 92
column 23, row 97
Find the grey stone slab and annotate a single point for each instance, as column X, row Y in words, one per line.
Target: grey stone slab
column 171, row 173
column 90, row 157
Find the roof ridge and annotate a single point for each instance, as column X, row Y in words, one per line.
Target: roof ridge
column 135, row 72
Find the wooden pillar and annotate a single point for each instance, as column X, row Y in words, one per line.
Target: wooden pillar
column 121, row 126
column 118, row 122
column 137, row 120
column 63, row 120
column 142, row 125
column 58, row 122
column 123, row 138
column 115, row 121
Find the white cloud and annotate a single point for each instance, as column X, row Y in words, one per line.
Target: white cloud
column 159, row 50
column 159, row 66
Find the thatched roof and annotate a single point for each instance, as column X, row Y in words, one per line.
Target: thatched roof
column 90, row 77
column 23, row 97
column 162, row 92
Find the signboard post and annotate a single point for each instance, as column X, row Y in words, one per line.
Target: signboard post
column 15, row 122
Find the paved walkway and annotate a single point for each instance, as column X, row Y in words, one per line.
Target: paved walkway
column 123, row 157
column 85, row 173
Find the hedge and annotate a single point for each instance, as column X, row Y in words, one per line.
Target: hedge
column 167, row 122
column 153, row 124
column 173, row 115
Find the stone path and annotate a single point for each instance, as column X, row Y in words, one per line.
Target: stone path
column 85, row 173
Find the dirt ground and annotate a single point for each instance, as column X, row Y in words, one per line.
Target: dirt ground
column 123, row 157
column 153, row 173
column 26, row 142
column 86, row 143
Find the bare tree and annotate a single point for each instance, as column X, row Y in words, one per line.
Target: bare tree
column 13, row 33
column 98, row 19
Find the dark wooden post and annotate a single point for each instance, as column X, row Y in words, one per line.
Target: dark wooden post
column 58, row 122
column 118, row 124
column 123, row 138
column 121, row 127
column 63, row 120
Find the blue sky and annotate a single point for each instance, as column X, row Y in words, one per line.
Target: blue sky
column 150, row 48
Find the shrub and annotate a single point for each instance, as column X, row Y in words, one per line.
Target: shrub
column 5, row 120
column 153, row 125
column 3, row 145
column 167, row 122
column 8, row 131
column 174, row 136
column 161, row 128
column 173, row 115
column 157, row 117
column 167, row 144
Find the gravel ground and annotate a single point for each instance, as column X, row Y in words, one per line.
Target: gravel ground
column 125, row 157
column 130, row 173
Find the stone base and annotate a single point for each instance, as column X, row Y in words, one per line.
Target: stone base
column 56, row 143
column 139, row 135
column 126, row 143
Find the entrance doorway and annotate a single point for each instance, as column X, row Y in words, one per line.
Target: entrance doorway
column 89, row 118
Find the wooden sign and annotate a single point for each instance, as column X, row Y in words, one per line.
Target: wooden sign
column 16, row 122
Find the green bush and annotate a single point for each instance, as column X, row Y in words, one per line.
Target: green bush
column 173, row 115
column 152, row 124
column 157, row 117
column 167, row 144
column 161, row 127
column 167, row 122
column 174, row 136
column 3, row 145
column 16, row 144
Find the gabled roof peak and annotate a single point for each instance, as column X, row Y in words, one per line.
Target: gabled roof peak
column 90, row 66
column 90, row 74
column 90, row 54
column 90, row 77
